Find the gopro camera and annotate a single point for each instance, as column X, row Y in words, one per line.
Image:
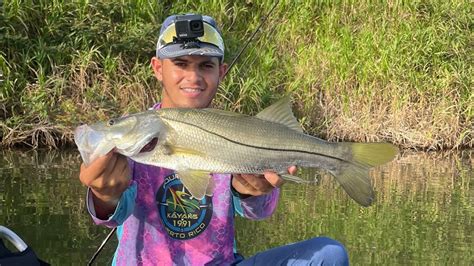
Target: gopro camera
column 189, row 27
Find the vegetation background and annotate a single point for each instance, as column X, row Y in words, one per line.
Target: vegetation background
column 398, row 71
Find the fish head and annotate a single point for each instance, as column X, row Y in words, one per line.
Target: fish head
column 128, row 135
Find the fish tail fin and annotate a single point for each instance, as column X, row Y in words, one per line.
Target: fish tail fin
column 354, row 173
column 373, row 154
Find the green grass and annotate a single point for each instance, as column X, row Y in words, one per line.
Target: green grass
column 398, row 71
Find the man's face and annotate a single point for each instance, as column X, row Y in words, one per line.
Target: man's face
column 188, row 81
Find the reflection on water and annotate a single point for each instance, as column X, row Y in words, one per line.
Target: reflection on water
column 422, row 215
column 42, row 200
column 423, row 212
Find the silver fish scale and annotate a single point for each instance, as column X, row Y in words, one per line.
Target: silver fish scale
column 231, row 143
column 248, row 129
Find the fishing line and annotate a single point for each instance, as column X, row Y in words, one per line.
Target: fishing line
column 92, row 259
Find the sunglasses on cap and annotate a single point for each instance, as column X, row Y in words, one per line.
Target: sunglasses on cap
column 189, row 34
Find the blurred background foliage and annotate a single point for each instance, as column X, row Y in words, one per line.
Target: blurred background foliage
column 398, row 71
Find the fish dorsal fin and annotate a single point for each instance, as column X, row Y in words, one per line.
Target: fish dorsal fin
column 199, row 183
column 280, row 112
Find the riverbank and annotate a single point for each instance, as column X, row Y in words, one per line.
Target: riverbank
column 397, row 72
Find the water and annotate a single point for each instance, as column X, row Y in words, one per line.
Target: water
column 423, row 213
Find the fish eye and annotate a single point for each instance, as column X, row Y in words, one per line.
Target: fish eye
column 111, row 122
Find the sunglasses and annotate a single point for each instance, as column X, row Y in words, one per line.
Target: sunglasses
column 211, row 36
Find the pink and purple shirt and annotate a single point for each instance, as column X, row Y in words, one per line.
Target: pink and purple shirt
column 160, row 223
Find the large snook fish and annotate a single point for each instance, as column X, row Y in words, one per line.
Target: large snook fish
column 197, row 142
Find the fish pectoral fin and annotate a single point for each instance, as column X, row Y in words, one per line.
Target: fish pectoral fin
column 196, row 181
column 292, row 178
column 166, row 149
column 281, row 113
column 182, row 151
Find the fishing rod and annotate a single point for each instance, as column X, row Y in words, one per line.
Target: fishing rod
column 96, row 253
column 251, row 38
column 107, row 238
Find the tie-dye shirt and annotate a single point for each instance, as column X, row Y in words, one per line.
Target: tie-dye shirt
column 159, row 223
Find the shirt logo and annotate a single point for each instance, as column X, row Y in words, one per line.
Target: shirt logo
column 183, row 216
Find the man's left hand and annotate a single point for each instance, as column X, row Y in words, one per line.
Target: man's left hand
column 256, row 185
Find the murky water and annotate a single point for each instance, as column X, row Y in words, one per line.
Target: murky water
column 423, row 213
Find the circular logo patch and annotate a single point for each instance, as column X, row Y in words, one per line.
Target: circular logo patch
column 183, row 216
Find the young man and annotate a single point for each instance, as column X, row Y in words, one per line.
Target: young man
column 159, row 223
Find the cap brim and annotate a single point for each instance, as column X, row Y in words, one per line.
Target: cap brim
column 177, row 50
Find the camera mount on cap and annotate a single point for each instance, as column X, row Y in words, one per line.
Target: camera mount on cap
column 188, row 29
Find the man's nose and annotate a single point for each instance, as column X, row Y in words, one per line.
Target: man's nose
column 194, row 75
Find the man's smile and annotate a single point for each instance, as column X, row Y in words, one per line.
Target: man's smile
column 193, row 92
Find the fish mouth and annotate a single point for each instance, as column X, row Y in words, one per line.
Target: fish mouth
column 150, row 145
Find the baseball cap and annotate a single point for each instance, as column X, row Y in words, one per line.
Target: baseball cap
column 210, row 44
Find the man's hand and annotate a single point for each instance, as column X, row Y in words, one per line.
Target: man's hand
column 256, row 185
column 108, row 177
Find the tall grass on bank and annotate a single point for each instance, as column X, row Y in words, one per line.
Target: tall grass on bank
column 398, row 71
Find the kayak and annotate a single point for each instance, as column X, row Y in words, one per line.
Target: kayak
column 23, row 255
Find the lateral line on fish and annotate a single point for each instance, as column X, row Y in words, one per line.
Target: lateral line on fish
column 257, row 147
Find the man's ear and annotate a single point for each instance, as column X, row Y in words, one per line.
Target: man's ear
column 157, row 66
column 222, row 69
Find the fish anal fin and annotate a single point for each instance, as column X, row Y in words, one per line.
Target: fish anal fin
column 280, row 112
column 197, row 182
column 296, row 179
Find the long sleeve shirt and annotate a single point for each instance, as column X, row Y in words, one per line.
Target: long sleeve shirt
column 160, row 223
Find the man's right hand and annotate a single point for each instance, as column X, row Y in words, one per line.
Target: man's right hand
column 108, row 177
